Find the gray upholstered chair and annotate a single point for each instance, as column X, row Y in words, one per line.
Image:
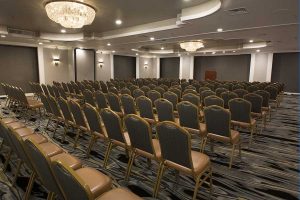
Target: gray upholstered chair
column 213, row 100
column 220, row 90
column 172, row 97
column 83, row 183
column 145, row 89
column 128, row 104
column 160, row 90
column 218, row 128
column 142, row 144
column 265, row 104
column 189, row 119
column 175, row 143
column 100, row 100
column 240, row 110
column 273, row 91
column 153, row 95
column 115, row 133
column 240, row 92
column 252, row 88
column 89, row 97
column 137, row 93
column 145, row 107
column 189, row 91
column 194, row 99
column 226, row 96
column 119, row 194
column 256, row 108
column 165, row 110
column 125, row 91
column 177, row 91
column 238, row 86
column 206, row 93
column 114, row 103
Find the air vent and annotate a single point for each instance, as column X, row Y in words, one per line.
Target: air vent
column 238, row 11
column 22, row 33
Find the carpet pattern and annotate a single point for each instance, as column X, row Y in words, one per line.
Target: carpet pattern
column 268, row 169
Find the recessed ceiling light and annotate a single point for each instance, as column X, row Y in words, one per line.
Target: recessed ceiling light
column 213, row 53
column 251, row 41
column 233, row 51
column 3, row 36
column 257, row 50
column 63, row 30
column 162, row 48
column 152, row 38
column 40, row 43
column 108, row 44
column 118, row 22
column 220, row 30
column 114, row 51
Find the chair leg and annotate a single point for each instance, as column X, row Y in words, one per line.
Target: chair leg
column 76, row 138
column 204, row 144
column 231, row 157
column 17, row 172
column 201, row 144
column 109, row 147
column 29, row 186
column 55, row 128
column 211, row 145
column 92, row 142
column 210, row 182
column 50, row 196
column 240, row 148
column 129, row 166
column 196, row 187
column 251, row 135
column 158, row 179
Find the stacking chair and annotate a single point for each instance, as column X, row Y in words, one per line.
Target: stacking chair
column 172, row 97
column 160, row 90
column 56, row 91
column 62, row 93
column 128, row 104
column 79, row 119
column 113, row 90
column 165, row 110
column 206, row 93
column 151, row 86
column 45, row 89
column 218, row 128
column 240, row 110
column 213, row 100
column 240, row 92
column 201, row 89
column 100, row 100
column 220, row 90
column 132, row 88
column 189, row 91
column 125, row 91
column 47, row 108
column 175, row 143
column 252, row 88
column 142, row 144
column 229, row 86
column 118, row 194
column 211, row 86
column 189, row 119
column 145, row 108
column 237, row 86
column 114, row 103
column 51, row 91
column 41, row 162
column 165, row 87
column 145, row 89
column 256, row 108
column 273, row 91
column 153, row 95
column 227, row 96
column 115, row 133
column 137, row 93
column 84, row 183
column 95, row 127
column 89, row 97
column 177, row 92
column 265, row 104
column 194, row 99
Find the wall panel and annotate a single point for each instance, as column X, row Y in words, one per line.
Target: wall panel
column 124, row 67
column 169, row 67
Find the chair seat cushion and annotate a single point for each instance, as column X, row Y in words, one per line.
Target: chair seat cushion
column 68, row 159
column 97, row 182
column 200, row 161
column 16, row 125
column 119, row 194
column 8, row 120
column 38, row 138
column 23, row 132
column 50, row 149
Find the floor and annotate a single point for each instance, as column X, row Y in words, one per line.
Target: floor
column 268, row 169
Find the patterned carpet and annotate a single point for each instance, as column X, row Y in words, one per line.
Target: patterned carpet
column 268, row 169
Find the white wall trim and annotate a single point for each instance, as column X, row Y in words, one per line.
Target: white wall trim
column 41, row 65
column 137, row 67
column 269, row 67
column 157, row 67
column 192, row 67
column 112, row 73
column 252, row 68
column 180, row 67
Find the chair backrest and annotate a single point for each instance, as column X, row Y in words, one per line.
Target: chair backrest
column 93, row 118
column 220, row 90
column 213, row 100
column 132, row 88
column 139, row 132
column 240, row 92
column 226, row 96
column 211, row 86
column 113, row 125
column 70, row 183
column 65, row 87
column 41, row 164
column 114, row 102
column 175, row 144
column 153, row 95
column 137, row 93
column 172, row 97
column 206, row 93
column 145, row 89
column 265, row 95
column 125, row 91
column 252, row 88
column 89, row 97
column 203, row 89
column 55, row 90
column 46, row 104
column 45, row 89
column 101, row 100
column 128, row 104
column 217, row 120
column 77, row 114
column 256, row 102
column 188, row 115
column 63, row 104
column 240, row 110
column 176, row 91
column 273, row 91
column 164, row 109
column 145, row 107
column 62, row 93
column 113, row 90
column 160, row 90
column 51, row 91
column 189, row 91
column 238, row 86
column 194, row 99
column 54, row 107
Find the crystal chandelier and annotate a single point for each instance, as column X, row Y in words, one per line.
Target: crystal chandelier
column 70, row 14
column 191, row 46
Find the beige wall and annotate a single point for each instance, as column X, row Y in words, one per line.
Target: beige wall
column 150, row 71
column 103, row 73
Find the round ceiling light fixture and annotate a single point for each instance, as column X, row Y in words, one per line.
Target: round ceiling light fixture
column 191, row 46
column 70, row 14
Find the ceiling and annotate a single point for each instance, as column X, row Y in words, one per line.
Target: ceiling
column 272, row 21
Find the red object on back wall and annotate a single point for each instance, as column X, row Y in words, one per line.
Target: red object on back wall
column 210, row 75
